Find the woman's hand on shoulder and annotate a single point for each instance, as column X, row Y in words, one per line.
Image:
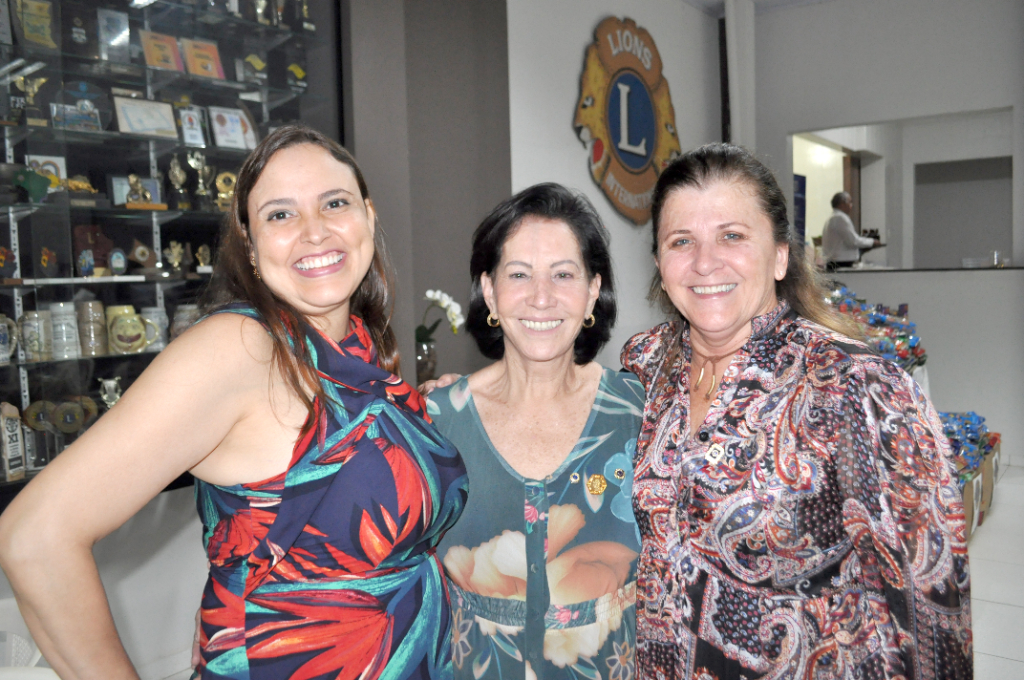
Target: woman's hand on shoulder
column 444, row 381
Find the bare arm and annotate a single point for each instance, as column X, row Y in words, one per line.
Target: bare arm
column 178, row 411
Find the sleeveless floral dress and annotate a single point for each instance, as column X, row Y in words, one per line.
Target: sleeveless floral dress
column 329, row 570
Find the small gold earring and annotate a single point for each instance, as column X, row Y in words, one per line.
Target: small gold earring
column 589, row 321
column 493, row 321
column 255, row 271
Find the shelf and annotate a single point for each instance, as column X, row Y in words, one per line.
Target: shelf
column 102, row 357
column 82, row 280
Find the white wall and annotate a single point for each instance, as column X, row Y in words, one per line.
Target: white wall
column 823, row 168
column 547, row 40
column 154, row 570
column 853, row 62
column 971, row 325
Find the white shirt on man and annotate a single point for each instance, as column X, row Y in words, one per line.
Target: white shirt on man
column 839, row 240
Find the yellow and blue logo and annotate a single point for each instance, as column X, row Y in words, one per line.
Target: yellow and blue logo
column 625, row 117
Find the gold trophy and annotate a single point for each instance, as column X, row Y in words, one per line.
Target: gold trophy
column 203, row 256
column 261, row 11
column 225, row 190
column 34, row 116
column 177, row 175
column 136, row 192
column 196, row 161
column 174, row 253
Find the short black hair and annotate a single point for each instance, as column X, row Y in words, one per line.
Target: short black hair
column 551, row 201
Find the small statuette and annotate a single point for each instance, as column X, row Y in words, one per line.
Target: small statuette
column 80, row 183
column 574, row 477
column 203, row 255
column 596, row 484
column 136, row 192
column 197, row 161
column 177, row 175
column 620, row 473
column 110, row 390
column 715, row 454
column 225, row 190
column 174, row 253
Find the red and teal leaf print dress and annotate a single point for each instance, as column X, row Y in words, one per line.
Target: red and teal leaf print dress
column 329, row 569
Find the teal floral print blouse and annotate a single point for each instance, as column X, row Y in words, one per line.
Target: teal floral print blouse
column 542, row 572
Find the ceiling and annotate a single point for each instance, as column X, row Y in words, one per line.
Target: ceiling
column 717, row 7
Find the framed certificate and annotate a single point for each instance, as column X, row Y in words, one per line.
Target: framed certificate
column 54, row 168
column 145, row 117
column 161, row 51
column 191, row 119
column 228, row 130
column 113, row 29
column 202, row 58
column 118, row 188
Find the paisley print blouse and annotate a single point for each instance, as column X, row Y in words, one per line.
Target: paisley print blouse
column 810, row 527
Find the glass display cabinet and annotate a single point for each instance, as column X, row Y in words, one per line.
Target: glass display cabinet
column 124, row 125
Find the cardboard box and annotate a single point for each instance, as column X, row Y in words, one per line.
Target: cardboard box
column 990, row 473
column 972, row 503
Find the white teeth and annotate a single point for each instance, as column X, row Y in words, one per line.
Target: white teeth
column 708, row 290
column 307, row 263
column 541, row 325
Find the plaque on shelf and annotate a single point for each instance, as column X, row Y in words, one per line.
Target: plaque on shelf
column 6, row 37
column 119, row 188
column 202, row 58
column 47, row 260
column 7, row 263
column 142, row 254
column 228, row 130
column 145, row 117
column 91, row 237
column 80, row 34
column 191, row 119
column 114, row 36
column 54, row 168
column 86, row 263
column 86, row 95
column 77, row 118
column 117, row 261
column 161, row 51
column 35, row 23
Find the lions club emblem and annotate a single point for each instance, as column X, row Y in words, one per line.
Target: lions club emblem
column 624, row 116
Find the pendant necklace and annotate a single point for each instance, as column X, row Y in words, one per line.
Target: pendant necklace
column 708, row 360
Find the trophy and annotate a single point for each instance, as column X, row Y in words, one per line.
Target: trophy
column 177, row 175
column 204, row 176
column 33, row 114
column 136, row 192
column 261, row 11
column 203, row 256
column 225, row 190
column 174, row 253
column 110, row 390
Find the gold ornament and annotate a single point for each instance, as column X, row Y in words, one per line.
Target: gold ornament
column 596, row 484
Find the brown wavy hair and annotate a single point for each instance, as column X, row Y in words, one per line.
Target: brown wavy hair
column 235, row 280
column 802, row 286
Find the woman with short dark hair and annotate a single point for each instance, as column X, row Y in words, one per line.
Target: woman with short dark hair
column 795, row 493
column 542, row 564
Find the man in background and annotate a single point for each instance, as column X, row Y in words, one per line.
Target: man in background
column 840, row 243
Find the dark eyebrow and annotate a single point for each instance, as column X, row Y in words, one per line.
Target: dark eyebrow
column 291, row 201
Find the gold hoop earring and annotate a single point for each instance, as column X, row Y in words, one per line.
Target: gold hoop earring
column 493, row 321
column 589, row 321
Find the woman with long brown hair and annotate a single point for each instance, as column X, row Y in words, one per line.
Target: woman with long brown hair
column 323, row 486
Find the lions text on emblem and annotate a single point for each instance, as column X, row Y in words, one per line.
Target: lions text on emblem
column 625, row 117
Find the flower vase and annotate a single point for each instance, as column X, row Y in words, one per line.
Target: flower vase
column 426, row 361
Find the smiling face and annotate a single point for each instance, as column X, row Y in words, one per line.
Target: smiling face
column 540, row 290
column 311, row 232
column 718, row 260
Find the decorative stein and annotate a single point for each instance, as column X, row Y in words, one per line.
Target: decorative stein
column 8, row 339
column 128, row 334
column 36, row 330
column 158, row 317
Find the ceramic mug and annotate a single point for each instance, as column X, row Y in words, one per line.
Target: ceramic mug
column 8, row 339
column 158, row 315
column 114, row 311
column 92, row 328
column 128, row 334
column 36, row 330
column 65, row 330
